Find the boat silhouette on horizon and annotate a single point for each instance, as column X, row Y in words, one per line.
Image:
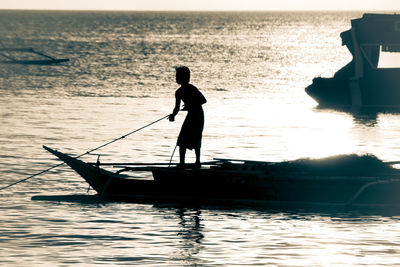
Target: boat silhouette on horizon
column 29, row 57
column 372, row 77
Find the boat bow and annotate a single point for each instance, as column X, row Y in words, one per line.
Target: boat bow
column 96, row 177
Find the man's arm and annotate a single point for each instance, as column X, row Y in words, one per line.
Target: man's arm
column 176, row 109
column 177, row 106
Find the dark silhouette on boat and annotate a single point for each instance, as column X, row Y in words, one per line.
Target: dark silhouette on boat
column 340, row 181
column 9, row 56
column 371, row 79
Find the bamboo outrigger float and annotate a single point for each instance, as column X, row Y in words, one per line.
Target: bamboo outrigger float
column 348, row 181
column 9, row 58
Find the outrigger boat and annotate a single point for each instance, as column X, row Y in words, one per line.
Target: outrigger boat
column 349, row 180
column 372, row 78
column 9, row 57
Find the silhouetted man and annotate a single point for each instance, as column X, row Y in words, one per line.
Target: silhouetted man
column 192, row 129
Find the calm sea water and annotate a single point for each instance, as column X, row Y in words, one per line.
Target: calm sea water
column 252, row 67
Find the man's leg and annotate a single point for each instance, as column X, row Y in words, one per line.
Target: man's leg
column 197, row 151
column 182, row 153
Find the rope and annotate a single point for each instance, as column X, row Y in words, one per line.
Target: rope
column 122, row 137
column 33, row 175
column 88, row 152
column 170, row 160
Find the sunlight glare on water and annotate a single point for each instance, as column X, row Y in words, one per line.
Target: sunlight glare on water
column 252, row 68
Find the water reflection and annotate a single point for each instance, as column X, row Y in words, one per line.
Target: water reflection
column 191, row 234
column 365, row 116
column 371, row 116
column 368, row 119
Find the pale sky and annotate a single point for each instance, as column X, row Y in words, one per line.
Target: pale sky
column 362, row 5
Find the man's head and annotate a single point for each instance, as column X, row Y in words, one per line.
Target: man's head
column 182, row 75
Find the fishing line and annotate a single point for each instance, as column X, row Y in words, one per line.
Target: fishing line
column 33, row 175
column 88, row 152
column 170, row 160
column 122, row 137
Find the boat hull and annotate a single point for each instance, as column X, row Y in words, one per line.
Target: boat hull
column 235, row 184
column 330, row 92
column 378, row 89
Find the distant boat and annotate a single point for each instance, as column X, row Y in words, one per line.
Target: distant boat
column 9, row 56
column 372, row 78
column 343, row 181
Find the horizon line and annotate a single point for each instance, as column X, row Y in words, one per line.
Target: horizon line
column 202, row 10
